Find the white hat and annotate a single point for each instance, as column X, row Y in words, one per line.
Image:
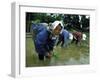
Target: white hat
column 70, row 36
column 55, row 24
column 83, row 36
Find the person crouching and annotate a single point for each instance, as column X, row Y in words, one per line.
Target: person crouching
column 63, row 38
column 78, row 37
column 45, row 40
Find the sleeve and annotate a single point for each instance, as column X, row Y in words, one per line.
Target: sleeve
column 51, row 45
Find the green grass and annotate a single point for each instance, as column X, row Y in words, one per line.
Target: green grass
column 71, row 55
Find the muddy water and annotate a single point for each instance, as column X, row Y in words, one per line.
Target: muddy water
column 71, row 61
column 71, row 55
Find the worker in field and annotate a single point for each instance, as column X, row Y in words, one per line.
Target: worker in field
column 45, row 40
column 78, row 37
column 63, row 38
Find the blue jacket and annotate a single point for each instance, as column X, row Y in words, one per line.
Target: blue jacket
column 44, row 42
column 64, row 36
column 38, row 27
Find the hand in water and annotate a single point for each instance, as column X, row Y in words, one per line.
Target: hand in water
column 49, row 55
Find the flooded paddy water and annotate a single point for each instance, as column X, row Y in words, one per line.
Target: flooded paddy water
column 71, row 55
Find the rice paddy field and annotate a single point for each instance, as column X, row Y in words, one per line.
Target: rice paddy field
column 71, row 55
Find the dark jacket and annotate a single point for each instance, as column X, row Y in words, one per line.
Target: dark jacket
column 44, row 42
column 38, row 28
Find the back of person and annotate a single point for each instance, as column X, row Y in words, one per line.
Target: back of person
column 63, row 38
column 65, row 33
column 44, row 38
column 37, row 28
column 77, row 35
